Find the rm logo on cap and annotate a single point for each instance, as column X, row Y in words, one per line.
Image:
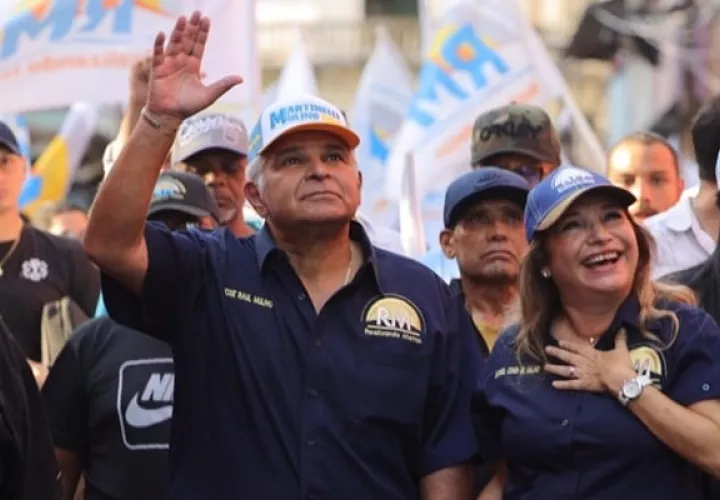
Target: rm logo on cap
column 394, row 317
column 570, row 178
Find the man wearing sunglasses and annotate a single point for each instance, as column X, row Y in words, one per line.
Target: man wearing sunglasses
column 215, row 146
column 517, row 137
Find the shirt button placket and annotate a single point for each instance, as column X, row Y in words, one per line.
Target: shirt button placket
column 312, row 413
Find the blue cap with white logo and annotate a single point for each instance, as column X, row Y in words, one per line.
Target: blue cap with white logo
column 551, row 198
column 483, row 183
column 298, row 113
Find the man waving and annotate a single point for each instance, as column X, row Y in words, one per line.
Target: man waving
column 308, row 363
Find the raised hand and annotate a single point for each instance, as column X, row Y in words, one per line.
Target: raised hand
column 175, row 87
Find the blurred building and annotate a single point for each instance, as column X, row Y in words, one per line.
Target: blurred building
column 340, row 37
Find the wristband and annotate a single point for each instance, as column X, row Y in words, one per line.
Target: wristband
column 149, row 119
column 153, row 120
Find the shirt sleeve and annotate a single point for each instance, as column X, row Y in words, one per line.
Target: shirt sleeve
column 65, row 399
column 172, row 284
column 696, row 369
column 449, row 437
column 85, row 281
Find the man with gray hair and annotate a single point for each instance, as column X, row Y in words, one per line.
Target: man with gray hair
column 215, row 147
column 383, row 237
column 309, row 363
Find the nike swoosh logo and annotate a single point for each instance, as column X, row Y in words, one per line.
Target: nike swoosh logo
column 137, row 416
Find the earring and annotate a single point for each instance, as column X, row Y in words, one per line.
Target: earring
column 545, row 272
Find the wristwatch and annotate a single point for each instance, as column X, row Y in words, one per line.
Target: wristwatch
column 633, row 389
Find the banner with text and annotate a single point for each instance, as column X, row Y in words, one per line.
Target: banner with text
column 56, row 52
column 484, row 55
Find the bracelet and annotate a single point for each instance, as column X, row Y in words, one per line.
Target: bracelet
column 149, row 119
column 159, row 122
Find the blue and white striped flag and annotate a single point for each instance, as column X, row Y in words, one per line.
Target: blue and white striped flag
column 381, row 102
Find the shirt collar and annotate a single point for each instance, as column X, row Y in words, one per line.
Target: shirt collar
column 680, row 217
column 456, row 286
column 265, row 246
column 627, row 317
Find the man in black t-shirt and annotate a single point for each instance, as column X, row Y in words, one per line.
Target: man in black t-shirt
column 44, row 279
column 109, row 395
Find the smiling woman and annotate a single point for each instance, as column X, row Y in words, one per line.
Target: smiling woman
column 592, row 321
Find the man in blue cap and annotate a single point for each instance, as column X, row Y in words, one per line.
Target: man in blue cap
column 484, row 234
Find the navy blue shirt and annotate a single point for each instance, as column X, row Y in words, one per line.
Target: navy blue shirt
column 275, row 401
column 581, row 445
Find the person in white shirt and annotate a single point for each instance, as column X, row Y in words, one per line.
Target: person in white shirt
column 648, row 166
column 686, row 234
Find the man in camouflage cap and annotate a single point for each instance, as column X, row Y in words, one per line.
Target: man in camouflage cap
column 517, row 137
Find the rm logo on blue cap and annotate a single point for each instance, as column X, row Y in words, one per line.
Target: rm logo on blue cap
column 570, row 178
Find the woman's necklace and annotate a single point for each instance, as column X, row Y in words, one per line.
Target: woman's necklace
column 8, row 254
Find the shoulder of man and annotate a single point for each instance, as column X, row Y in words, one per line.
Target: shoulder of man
column 64, row 245
column 685, row 277
column 94, row 333
column 394, row 263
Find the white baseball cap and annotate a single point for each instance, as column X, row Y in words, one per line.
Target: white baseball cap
column 299, row 113
column 209, row 131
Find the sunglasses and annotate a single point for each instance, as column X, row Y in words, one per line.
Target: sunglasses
column 533, row 174
column 227, row 164
column 530, row 173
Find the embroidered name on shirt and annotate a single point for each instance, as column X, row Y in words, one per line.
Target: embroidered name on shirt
column 394, row 317
column 517, row 370
column 248, row 297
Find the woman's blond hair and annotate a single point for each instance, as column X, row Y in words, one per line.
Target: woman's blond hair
column 541, row 298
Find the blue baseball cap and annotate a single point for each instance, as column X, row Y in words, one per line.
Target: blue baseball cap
column 549, row 200
column 298, row 113
column 480, row 184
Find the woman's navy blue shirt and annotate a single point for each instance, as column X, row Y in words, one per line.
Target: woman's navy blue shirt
column 581, row 445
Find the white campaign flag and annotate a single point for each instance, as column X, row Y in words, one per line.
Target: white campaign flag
column 298, row 74
column 52, row 174
column 484, row 55
column 55, row 53
column 412, row 232
column 381, row 102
